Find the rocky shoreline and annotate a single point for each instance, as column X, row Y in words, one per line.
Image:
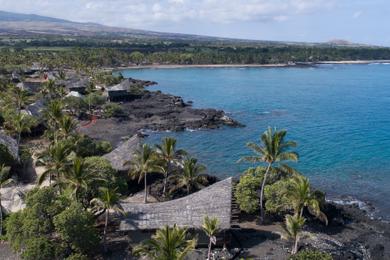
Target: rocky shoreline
column 156, row 111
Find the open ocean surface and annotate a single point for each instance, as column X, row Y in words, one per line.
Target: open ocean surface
column 338, row 114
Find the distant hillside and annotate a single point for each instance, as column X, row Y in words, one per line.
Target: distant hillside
column 31, row 25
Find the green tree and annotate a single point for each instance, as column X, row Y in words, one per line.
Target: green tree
column 77, row 179
column 36, row 220
column 49, row 89
column 210, row 227
column 5, row 178
column 293, row 227
column 246, row 189
column 55, row 159
column 137, row 57
column 39, row 248
column 170, row 155
column 53, row 115
column 274, row 149
column 301, row 197
column 18, row 123
column 190, row 177
column 67, row 127
column 106, row 202
column 143, row 163
column 75, row 227
column 167, row 244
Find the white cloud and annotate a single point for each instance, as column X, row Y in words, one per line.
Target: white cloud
column 138, row 13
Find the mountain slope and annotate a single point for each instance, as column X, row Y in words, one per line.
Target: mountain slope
column 26, row 25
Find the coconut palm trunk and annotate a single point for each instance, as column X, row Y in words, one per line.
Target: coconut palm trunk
column 105, row 230
column 1, row 217
column 295, row 249
column 146, row 189
column 166, row 179
column 262, row 193
column 209, row 250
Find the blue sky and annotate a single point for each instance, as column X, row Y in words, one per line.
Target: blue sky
column 361, row 21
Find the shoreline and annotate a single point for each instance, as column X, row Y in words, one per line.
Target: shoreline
column 275, row 65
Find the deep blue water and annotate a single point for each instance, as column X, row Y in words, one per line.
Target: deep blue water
column 338, row 114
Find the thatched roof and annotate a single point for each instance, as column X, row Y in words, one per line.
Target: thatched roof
column 36, row 109
column 125, row 85
column 213, row 201
column 124, row 153
column 11, row 145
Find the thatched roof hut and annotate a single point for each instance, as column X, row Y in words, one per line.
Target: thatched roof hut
column 213, row 201
column 11, row 148
column 122, row 91
column 124, row 153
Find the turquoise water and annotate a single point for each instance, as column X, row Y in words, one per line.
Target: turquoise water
column 339, row 115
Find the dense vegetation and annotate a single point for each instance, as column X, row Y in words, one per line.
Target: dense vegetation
column 70, row 54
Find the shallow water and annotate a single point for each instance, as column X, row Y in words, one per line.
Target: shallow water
column 337, row 113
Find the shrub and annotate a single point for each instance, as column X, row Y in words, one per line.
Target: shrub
column 75, row 226
column 103, row 147
column 311, row 255
column 95, row 100
column 275, row 196
column 86, row 147
column 246, row 190
column 75, row 105
column 39, row 248
column 113, row 110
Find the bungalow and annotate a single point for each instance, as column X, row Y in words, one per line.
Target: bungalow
column 213, row 201
column 122, row 91
column 32, row 85
column 78, row 85
column 124, row 153
column 9, row 150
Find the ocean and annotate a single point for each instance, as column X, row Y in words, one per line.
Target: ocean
column 338, row 114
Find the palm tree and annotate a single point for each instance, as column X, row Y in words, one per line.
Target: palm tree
column 5, row 179
column 301, row 197
column 108, row 200
column 190, row 177
column 167, row 244
column 77, row 178
column 210, row 227
column 168, row 153
column 293, row 227
column 272, row 150
column 67, row 126
column 54, row 112
column 18, row 123
column 145, row 161
column 49, row 89
column 55, row 160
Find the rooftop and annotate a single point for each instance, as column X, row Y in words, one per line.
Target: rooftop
column 11, row 145
column 123, row 153
column 213, row 201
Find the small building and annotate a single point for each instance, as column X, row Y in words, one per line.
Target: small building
column 36, row 109
column 9, row 150
column 78, row 85
column 32, row 85
column 214, row 201
column 124, row 153
column 122, row 91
